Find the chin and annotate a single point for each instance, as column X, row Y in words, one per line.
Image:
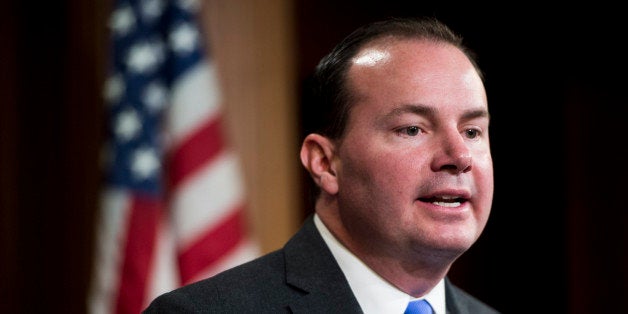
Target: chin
column 454, row 240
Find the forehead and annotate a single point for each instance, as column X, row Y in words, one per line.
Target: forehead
column 418, row 55
column 392, row 72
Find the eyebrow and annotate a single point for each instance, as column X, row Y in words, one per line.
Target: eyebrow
column 430, row 112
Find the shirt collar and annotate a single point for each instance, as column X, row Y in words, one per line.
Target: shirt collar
column 374, row 294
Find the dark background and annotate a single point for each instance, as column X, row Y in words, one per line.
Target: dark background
column 557, row 240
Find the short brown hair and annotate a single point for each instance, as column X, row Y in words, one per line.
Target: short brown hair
column 330, row 92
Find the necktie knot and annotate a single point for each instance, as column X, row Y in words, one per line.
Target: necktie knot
column 419, row 307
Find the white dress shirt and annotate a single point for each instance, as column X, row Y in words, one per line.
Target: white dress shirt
column 374, row 294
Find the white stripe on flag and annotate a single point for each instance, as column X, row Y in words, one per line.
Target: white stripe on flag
column 164, row 274
column 110, row 240
column 195, row 100
column 206, row 197
column 245, row 251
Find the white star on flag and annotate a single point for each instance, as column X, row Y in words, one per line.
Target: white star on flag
column 144, row 57
column 155, row 96
column 184, row 38
column 114, row 88
column 152, row 9
column 189, row 5
column 145, row 163
column 122, row 20
column 127, row 125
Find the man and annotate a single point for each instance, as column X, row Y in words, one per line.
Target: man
column 405, row 177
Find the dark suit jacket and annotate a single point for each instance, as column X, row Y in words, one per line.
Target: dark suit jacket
column 303, row 277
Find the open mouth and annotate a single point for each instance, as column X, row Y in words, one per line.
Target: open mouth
column 445, row 200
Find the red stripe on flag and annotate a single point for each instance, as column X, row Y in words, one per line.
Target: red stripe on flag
column 197, row 149
column 138, row 252
column 212, row 245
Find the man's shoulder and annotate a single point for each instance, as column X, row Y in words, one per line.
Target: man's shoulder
column 257, row 271
column 271, row 283
column 223, row 291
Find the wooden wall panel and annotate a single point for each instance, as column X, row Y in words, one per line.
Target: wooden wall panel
column 252, row 45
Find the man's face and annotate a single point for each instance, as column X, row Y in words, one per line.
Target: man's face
column 414, row 167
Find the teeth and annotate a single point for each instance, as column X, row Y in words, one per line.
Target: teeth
column 448, row 197
column 447, row 204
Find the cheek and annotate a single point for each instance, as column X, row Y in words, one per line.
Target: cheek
column 485, row 184
column 485, row 173
column 394, row 174
column 403, row 173
column 381, row 169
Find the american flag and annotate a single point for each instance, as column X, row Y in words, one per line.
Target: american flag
column 173, row 209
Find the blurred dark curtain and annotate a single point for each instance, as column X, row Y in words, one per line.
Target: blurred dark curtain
column 50, row 132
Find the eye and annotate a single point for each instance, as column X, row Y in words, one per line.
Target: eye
column 472, row 133
column 409, row 131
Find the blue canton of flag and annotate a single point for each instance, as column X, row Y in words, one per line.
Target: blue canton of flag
column 154, row 41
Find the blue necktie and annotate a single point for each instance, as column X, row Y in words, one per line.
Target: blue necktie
column 419, row 307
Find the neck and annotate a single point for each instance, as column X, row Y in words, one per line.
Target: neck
column 416, row 278
column 414, row 272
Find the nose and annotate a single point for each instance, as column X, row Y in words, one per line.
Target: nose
column 452, row 155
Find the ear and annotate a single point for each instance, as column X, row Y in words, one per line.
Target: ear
column 317, row 154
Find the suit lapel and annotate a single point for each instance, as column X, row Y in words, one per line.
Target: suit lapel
column 455, row 304
column 311, row 268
